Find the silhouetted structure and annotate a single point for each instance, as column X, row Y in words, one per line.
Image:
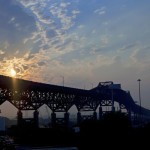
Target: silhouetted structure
column 114, row 131
column 28, row 95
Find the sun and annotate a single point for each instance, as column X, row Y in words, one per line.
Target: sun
column 13, row 72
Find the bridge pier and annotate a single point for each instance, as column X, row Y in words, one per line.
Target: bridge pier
column 66, row 118
column 53, row 118
column 22, row 122
column 79, row 118
column 113, row 109
column 95, row 115
column 19, row 118
column 129, row 114
column 100, row 113
column 36, row 118
column 59, row 121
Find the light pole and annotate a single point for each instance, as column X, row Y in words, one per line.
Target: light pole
column 139, row 80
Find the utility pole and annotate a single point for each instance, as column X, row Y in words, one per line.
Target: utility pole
column 139, row 80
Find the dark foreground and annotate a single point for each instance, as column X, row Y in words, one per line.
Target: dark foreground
column 113, row 132
column 44, row 148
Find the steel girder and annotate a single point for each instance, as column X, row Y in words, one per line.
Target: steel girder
column 29, row 95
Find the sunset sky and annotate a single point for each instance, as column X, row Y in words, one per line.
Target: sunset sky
column 83, row 42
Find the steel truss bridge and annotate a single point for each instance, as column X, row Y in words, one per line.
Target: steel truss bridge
column 29, row 95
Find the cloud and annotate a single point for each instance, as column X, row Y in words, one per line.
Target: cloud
column 53, row 20
column 12, row 20
column 56, row 37
column 128, row 47
column 141, row 55
column 28, row 3
column 100, row 11
column 74, row 71
column 15, row 25
column 25, row 66
column 2, row 52
column 104, row 40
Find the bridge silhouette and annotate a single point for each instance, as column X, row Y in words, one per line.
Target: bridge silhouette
column 29, row 95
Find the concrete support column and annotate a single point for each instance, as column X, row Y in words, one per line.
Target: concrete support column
column 135, row 117
column 36, row 118
column 120, row 108
column 95, row 115
column 113, row 109
column 129, row 114
column 66, row 117
column 19, row 118
column 79, row 118
column 100, row 113
column 53, row 119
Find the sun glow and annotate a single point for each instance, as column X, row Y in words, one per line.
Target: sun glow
column 13, row 72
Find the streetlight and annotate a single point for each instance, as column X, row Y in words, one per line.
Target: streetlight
column 139, row 80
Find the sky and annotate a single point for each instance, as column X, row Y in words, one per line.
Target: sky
column 78, row 42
